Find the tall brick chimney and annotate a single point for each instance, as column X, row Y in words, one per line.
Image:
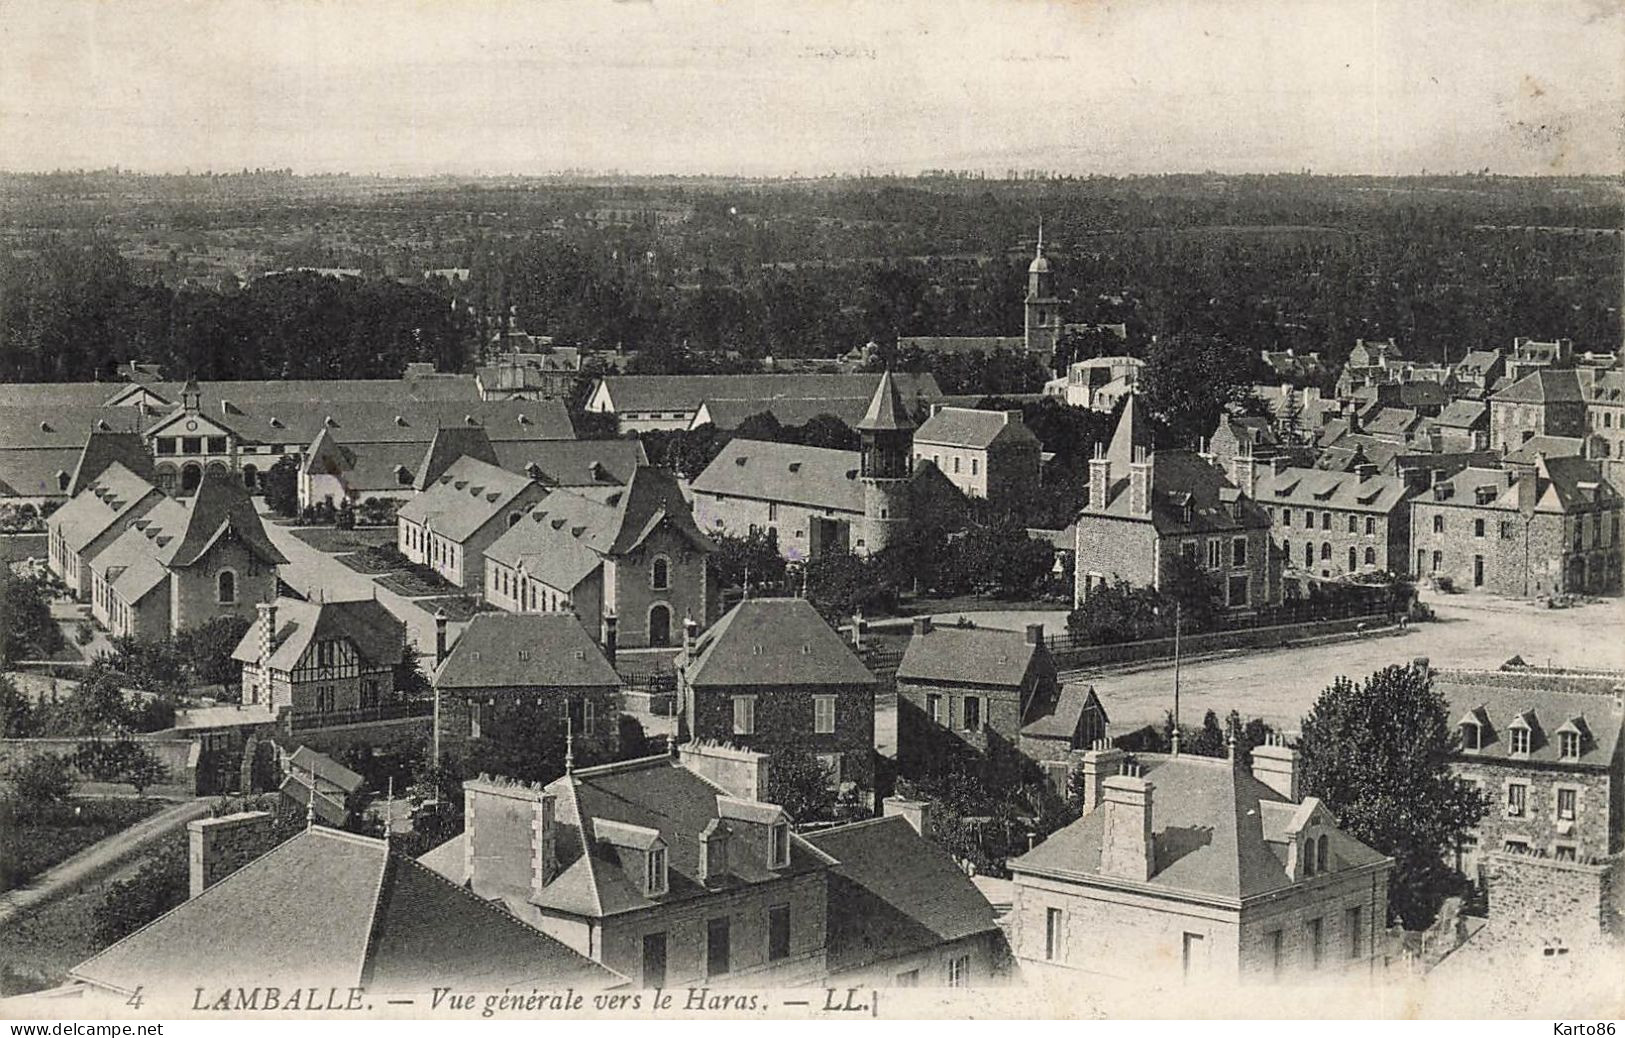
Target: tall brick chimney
column 1139, row 482
column 1035, row 634
column 916, row 812
column 1127, row 848
column 1100, row 762
column 439, row 637
column 610, row 624
column 1276, row 765
column 217, row 847
column 743, row 773
column 1100, row 478
column 511, row 837
column 267, row 631
column 1244, row 472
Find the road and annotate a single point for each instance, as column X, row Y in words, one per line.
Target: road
column 67, row 875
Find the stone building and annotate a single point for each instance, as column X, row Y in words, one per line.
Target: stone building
column 1149, row 508
column 772, row 676
column 1545, row 402
column 544, row 665
column 95, row 517
column 449, row 525
column 986, row 454
column 321, row 657
column 647, row 403
column 1336, row 524
column 1193, row 868
column 629, row 561
column 1555, row 530
column 1545, row 750
column 184, row 563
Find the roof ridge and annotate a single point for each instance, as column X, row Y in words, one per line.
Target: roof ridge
column 583, row 832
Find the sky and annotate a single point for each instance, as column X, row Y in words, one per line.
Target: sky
column 811, row 87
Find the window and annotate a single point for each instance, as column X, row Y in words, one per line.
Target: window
column 1275, row 942
column 716, row 947
column 326, row 652
column 325, row 700
column 1565, row 852
column 656, row 863
column 586, row 717
column 1213, row 554
column 824, row 715
column 973, row 713
column 1517, row 799
column 1309, row 857
column 1354, row 524
column 1438, row 560
column 1478, row 527
column 1568, row 745
column 956, row 464
column 772, row 511
column 744, row 715
column 1355, row 933
column 975, row 465
column 781, row 845
column 191, row 444
column 1371, row 556
column 1286, row 517
column 217, row 445
column 1325, row 551
column 1469, row 737
column 1191, row 953
column 1325, row 520
column 1238, row 552
column 1354, row 559
column 778, row 933
column 1370, row 525
column 165, row 444
column 1322, row 858
column 909, row 979
column 959, row 971
column 1238, row 591
column 1053, row 923
column 933, row 707
column 1312, row 940
column 660, row 573
column 1567, row 804
column 1308, row 553
column 654, row 960
column 1188, row 550
column 227, row 586
column 1515, row 846
column 1438, row 524
column 1520, row 739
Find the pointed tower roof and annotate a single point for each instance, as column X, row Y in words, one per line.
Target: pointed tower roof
column 1039, row 265
column 887, row 412
column 1132, row 431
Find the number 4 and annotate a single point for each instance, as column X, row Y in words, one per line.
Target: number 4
column 134, row 1001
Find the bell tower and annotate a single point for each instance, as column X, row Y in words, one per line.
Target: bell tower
column 1043, row 308
column 887, row 464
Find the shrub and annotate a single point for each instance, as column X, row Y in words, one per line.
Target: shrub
column 45, row 779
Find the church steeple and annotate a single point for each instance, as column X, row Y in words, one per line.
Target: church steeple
column 885, row 466
column 1042, row 308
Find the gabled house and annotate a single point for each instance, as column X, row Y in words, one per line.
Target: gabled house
column 316, row 785
column 323, row 908
column 451, row 523
column 182, row 564
column 987, row 454
column 1336, row 524
column 1546, row 401
column 673, row 871
column 629, row 561
column 1464, row 425
column 772, row 676
column 95, row 517
column 543, row 664
column 1197, row 869
column 321, row 658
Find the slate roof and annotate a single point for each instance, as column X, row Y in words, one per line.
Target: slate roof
column 377, row 635
column 775, row 641
column 882, row 909
column 574, row 463
column 887, row 411
column 446, row 447
column 1479, row 362
column 1608, row 387
column 1062, row 721
column 113, row 495
column 1598, row 715
column 569, row 534
column 1217, row 830
column 963, row 343
column 1177, row 476
column 789, row 472
column 1315, row 488
column 968, row 655
column 1542, row 446
column 728, row 414
column 525, row 651
column 975, row 429
column 331, row 908
column 1543, row 386
column 103, row 448
column 470, row 494
column 1560, row 487
column 1393, row 421
column 277, row 419
column 687, row 392
column 1463, row 413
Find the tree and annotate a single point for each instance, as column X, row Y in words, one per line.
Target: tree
column 142, row 768
column 27, row 629
column 43, row 779
column 755, row 555
column 280, row 484
column 162, row 882
column 206, row 650
column 1188, row 380
column 840, row 583
column 1378, row 754
column 799, row 783
column 410, row 681
column 17, row 715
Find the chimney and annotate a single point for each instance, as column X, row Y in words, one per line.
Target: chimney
column 510, row 843
column 742, row 773
column 1035, row 634
column 1012, row 417
column 1100, row 762
column 916, row 812
column 267, row 611
column 1244, row 472
column 1528, row 492
column 690, row 629
column 1127, row 848
column 1276, row 765
column 714, row 852
column 1422, row 665
column 610, row 622
column 439, row 637
column 221, row 846
column 1139, row 483
column 922, row 625
column 1366, row 470
column 1100, row 478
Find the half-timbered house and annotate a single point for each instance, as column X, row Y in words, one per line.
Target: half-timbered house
column 321, row 657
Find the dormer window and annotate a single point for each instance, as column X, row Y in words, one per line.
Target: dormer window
column 656, row 871
column 781, row 845
column 1470, row 736
column 1519, row 734
column 1568, row 744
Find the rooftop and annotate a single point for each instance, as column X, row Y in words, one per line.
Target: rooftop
column 775, row 641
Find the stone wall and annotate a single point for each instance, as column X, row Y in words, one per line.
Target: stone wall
column 195, row 596
column 1191, row 644
column 1537, row 903
column 784, row 720
column 217, row 847
column 178, row 756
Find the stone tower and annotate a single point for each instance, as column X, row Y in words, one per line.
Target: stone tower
column 1043, row 309
column 887, row 430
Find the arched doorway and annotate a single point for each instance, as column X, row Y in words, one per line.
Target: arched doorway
column 251, row 476
column 659, row 626
column 191, row 476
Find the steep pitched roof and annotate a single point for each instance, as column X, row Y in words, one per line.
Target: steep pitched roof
column 974, row 428
column 574, row 463
column 968, row 655
column 1463, row 413
column 469, row 494
column 525, row 651
column 775, row 641
column 886, row 412
column 880, row 908
column 1217, row 830
column 377, row 635
column 788, row 472
column 329, row 907
column 1132, row 436
column 1315, row 488
column 1543, row 386
column 1180, row 477
column 687, row 392
column 448, row 445
column 729, row 414
column 1600, row 715
column 221, row 504
column 1071, row 703
column 104, row 448
column 114, row 494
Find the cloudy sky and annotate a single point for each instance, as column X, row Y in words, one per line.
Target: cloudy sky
column 814, row 86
